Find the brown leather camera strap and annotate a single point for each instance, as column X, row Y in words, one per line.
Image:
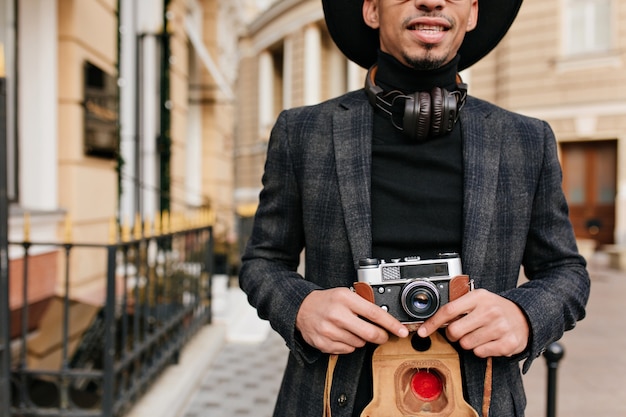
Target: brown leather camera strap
column 488, row 387
column 332, row 362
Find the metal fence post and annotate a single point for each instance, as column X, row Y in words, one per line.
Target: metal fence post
column 108, row 368
column 553, row 355
column 210, row 265
column 5, row 333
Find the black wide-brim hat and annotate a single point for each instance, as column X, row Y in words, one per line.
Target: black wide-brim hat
column 359, row 42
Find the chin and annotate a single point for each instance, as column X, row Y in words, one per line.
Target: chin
column 425, row 64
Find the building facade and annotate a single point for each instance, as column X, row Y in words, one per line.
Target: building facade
column 564, row 61
column 117, row 111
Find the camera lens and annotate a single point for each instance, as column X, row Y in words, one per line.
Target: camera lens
column 420, row 299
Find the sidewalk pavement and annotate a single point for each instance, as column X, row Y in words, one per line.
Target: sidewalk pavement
column 591, row 378
column 234, row 366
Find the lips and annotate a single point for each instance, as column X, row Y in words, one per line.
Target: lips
column 429, row 30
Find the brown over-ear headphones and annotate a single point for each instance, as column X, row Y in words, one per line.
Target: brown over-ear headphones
column 425, row 114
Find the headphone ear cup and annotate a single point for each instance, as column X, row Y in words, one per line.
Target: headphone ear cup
column 417, row 115
column 425, row 116
column 437, row 125
column 444, row 111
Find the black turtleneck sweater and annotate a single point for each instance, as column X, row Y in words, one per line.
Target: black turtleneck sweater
column 417, row 187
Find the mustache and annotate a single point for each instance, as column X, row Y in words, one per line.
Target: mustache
column 435, row 14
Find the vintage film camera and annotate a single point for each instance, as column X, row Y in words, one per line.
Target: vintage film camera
column 411, row 289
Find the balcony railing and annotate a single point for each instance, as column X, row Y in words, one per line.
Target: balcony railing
column 96, row 356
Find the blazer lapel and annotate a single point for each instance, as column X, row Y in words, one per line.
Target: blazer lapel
column 481, row 156
column 352, row 134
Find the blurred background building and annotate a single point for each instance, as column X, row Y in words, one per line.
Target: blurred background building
column 564, row 61
column 117, row 110
column 120, row 115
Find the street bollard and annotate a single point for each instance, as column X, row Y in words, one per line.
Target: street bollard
column 553, row 355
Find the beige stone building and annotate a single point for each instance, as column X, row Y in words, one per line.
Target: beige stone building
column 116, row 112
column 563, row 61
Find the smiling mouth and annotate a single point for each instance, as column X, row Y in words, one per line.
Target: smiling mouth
column 428, row 28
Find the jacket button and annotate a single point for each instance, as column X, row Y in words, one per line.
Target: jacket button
column 342, row 400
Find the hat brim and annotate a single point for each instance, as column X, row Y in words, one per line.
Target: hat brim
column 359, row 42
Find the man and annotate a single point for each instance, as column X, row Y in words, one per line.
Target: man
column 392, row 171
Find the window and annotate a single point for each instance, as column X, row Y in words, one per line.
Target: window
column 588, row 27
column 271, row 77
column 101, row 112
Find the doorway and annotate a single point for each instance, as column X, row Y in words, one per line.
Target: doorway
column 589, row 183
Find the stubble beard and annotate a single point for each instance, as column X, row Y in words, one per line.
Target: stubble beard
column 428, row 62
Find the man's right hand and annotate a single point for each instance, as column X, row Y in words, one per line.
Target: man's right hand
column 337, row 321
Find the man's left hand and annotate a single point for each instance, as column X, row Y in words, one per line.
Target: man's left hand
column 482, row 321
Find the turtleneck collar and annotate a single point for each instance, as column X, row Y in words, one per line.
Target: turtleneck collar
column 393, row 75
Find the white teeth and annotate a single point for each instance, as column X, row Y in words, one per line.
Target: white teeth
column 428, row 28
column 431, row 28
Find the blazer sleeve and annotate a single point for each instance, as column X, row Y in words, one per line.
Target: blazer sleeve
column 269, row 274
column 555, row 296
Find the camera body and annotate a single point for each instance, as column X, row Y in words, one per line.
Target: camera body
column 411, row 289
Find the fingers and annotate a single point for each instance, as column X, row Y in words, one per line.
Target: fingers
column 446, row 314
column 334, row 340
column 367, row 320
column 339, row 321
column 380, row 317
column 352, row 329
column 483, row 322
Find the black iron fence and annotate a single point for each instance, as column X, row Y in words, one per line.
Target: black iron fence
column 96, row 357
